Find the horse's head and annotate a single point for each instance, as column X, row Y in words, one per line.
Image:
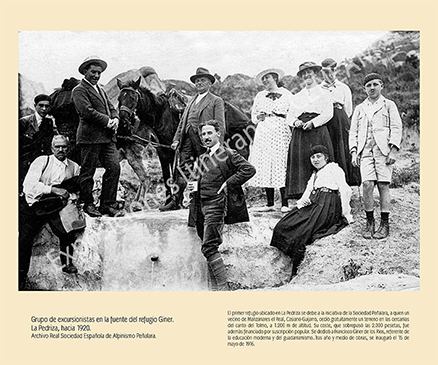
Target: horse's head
column 128, row 98
column 128, row 101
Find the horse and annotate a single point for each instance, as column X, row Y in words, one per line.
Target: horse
column 146, row 118
column 144, row 113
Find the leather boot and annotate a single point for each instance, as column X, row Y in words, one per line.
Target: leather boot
column 219, row 272
column 172, row 205
column 176, row 200
column 383, row 231
column 212, row 284
column 369, row 230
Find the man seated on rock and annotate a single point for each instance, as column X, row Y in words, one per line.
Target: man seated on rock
column 53, row 177
column 220, row 198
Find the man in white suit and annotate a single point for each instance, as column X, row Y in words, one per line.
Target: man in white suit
column 374, row 140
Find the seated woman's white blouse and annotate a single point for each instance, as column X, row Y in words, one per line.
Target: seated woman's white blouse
column 313, row 100
column 331, row 176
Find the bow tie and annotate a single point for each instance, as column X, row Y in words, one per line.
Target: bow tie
column 273, row 96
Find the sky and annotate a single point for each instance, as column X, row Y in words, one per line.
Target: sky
column 48, row 57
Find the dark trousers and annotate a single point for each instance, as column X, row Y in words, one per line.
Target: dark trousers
column 29, row 225
column 210, row 224
column 191, row 149
column 107, row 155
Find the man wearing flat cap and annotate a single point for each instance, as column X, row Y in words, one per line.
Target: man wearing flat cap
column 202, row 107
column 375, row 137
column 96, row 136
column 35, row 135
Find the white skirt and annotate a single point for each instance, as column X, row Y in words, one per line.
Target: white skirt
column 269, row 153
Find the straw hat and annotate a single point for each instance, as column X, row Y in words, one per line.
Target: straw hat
column 277, row 71
column 92, row 59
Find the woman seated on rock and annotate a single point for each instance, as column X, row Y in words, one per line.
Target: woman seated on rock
column 324, row 209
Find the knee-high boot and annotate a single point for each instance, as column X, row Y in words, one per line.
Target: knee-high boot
column 218, row 272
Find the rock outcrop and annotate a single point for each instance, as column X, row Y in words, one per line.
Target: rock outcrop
column 27, row 90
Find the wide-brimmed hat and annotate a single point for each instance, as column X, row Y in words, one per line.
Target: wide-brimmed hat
column 277, row 71
column 307, row 65
column 92, row 59
column 202, row 72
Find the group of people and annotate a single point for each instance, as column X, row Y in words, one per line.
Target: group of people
column 304, row 145
column 48, row 183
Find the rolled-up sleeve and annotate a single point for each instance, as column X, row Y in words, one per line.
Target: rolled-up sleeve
column 32, row 186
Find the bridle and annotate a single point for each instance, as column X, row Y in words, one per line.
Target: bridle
column 124, row 108
column 132, row 113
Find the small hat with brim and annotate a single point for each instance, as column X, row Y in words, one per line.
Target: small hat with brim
column 277, row 71
column 329, row 63
column 94, row 60
column 371, row 76
column 202, row 72
column 307, row 65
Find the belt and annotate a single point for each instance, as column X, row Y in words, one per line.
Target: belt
column 324, row 190
column 273, row 114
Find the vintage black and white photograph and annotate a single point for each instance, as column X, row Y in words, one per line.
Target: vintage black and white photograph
column 219, row 160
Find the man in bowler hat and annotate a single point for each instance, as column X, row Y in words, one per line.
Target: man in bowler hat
column 202, row 107
column 96, row 136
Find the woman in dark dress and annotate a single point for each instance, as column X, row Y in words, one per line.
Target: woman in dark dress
column 339, row 126
column 312, row 109
column 324, row 209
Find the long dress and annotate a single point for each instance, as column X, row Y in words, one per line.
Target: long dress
column 272, row 138
column 328, row 214
column 339, row 129
column 309, row 104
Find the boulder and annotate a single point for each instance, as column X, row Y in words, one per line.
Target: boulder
column 150, row 250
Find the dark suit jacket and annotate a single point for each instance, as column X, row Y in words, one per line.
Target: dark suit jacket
column 211, row 107
column 33, row 141
column 236, row 171
column 94, row 113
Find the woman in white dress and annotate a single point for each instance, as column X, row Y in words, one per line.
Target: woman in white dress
column 272, row 137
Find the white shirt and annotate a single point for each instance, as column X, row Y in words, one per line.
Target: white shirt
column 313, row 100
column 94, row 86
column 200, row 97
column 341, row 94
column 38, row 182
column 370, row 108
column 214, row 149
column 331, row 176
column 38, row 118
